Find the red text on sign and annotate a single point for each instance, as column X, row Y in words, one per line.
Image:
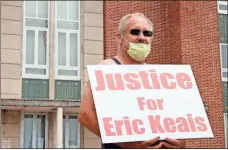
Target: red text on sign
column 144, row 79
column 125, row 125
column 150, row 104
column 180, row 124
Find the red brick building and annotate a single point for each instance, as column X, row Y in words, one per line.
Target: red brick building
column 186, row 32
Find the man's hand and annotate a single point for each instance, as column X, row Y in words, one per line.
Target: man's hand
column 141, row 145
column 172, row 143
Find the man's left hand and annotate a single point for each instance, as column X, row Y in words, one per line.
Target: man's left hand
column 172, row 143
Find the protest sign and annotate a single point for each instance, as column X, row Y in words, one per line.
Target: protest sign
column 139, row 102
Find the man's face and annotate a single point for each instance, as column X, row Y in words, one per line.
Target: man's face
column 132, row 34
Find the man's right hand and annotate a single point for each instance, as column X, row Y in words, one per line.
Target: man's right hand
column 141, row 145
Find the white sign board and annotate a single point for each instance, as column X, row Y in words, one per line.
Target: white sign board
column 139, row 102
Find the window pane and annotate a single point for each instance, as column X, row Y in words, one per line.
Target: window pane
column 28, row 131
column 73, row 126
column 35, row 71
column 223, row 7
column 64, row 130
column 40, row 135
column 36, row 23
column 30, row 43
column 67, row 72
column 67, row 25
column 73, row 117
column 43, row 9
column 224, row 56
column 74, row 49
column 226, row 128
column 62, row 49
column 73, row 10
column 30, row 8
column 62, row 10
column 225, row 95
column 42, row 47
column 223, row 28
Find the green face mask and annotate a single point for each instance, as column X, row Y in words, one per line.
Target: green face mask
column 138, row 51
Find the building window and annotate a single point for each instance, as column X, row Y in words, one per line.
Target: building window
column 67, row 50
column 67, row 40
column 223, row 28
column 34, row 133
column 225, row 95
column 71, row 131
column 223, row 33
column 226, row 129
column 36, row 41
column 224, row 65
column 222, row 7
column 35, row 62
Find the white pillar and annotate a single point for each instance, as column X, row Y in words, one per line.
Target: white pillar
column 59, row 131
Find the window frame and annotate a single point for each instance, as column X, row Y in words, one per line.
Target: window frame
column 221, row 3
column 224, row 79
column 34, row 129
column 226, row 129
column 223, row 70
column 36, row 30
column 68, row 31
column 67, row 115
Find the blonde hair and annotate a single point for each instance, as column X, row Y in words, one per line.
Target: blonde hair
column 123, row 20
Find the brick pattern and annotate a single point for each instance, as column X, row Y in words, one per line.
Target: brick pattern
column 186, row 32
column 113, row 11
column 200, row 48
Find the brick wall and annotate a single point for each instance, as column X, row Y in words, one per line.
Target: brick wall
column 200, row 48
column 156, row 11
column 186, row 32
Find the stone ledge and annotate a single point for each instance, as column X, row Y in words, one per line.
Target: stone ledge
column 39, row 103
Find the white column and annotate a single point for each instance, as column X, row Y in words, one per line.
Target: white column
column 59, row 131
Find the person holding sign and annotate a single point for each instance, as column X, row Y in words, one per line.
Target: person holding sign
column 134, row 40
